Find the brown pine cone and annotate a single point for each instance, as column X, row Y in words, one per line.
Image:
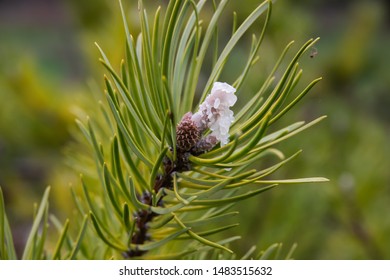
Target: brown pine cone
column 187, row 134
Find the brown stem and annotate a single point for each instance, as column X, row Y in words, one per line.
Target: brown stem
column 144, row 217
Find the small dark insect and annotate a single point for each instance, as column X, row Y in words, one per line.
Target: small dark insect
column 313, row 53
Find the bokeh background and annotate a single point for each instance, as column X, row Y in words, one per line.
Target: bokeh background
column 49, row 69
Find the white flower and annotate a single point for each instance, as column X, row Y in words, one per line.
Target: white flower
column 214, row 112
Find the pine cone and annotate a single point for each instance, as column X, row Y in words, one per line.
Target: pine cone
column 187, row 134
column 205, row 144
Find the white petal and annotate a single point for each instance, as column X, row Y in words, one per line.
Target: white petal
column 214, row 112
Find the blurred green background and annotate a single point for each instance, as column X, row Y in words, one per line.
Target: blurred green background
column 48, row 64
